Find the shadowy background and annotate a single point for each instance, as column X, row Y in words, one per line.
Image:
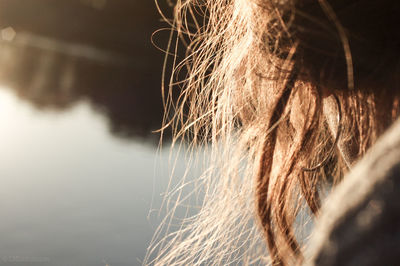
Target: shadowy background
column 71, row 73
column 57, row 52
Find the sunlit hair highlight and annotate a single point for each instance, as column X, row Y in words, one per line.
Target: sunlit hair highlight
column 252, row 93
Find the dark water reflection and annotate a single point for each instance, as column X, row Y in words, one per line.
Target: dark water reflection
column 71, row 72
column 94, row 50
column 48, row 80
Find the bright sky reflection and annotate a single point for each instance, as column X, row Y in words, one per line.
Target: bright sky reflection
column 72, row 193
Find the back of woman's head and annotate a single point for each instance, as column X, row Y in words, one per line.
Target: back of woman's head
column 288, row 94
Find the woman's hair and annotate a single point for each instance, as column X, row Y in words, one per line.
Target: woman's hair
column 257, row 85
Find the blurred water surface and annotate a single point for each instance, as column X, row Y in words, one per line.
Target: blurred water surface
column 79, row 98
column 71, row 193
column 54, row 53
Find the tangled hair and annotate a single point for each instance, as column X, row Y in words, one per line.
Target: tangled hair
column 288, row 94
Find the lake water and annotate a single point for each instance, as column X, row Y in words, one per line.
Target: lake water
column 81, row 175
column 71, row 193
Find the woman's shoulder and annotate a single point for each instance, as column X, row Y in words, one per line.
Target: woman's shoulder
column 360, row 222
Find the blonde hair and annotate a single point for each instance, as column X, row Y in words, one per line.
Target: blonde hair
column 256, row 74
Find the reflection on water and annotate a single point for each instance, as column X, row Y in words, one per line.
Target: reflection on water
column 94, row 50
column 53, row 80
column 70, row 194
column 70, row 72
